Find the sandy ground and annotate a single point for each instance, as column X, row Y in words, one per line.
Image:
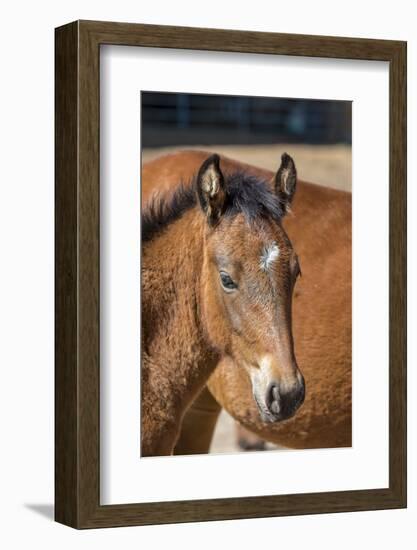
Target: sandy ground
column 224, row 439
column 325, row 165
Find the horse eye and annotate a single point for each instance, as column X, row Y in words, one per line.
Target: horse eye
column 227, row 282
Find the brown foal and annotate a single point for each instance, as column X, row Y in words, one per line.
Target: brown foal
column 320, row 229
column 218, row 273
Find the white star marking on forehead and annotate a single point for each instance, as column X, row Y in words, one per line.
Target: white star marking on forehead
column 269, row 254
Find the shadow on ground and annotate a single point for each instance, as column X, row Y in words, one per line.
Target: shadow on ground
column 45, row 510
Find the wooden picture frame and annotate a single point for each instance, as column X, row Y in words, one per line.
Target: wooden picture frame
column 77, row 375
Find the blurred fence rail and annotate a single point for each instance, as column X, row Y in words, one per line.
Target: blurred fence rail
column 173, row 118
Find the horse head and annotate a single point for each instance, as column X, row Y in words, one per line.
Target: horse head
column 247, row 280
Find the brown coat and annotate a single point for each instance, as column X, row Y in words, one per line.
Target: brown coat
column 320, row 230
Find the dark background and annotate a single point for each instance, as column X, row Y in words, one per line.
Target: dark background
column 186, row 119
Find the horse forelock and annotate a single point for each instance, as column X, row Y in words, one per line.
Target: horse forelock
column 245, row 194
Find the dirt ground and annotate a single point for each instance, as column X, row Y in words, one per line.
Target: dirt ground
column 325, row 165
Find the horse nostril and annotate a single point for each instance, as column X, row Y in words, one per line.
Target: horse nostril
column 283, row 402
column 273, row 398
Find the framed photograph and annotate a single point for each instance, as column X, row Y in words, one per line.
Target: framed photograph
column 230, row 274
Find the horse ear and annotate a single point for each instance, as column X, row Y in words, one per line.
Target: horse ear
column 211, row 189
column 286, row 180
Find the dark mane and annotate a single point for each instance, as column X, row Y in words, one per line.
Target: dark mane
column 246, row 194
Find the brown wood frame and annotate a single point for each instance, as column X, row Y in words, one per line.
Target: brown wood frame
column 77, row 274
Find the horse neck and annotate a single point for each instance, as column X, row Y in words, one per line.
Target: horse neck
column 180, row 358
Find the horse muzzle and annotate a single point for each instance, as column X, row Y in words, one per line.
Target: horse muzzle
column 280, row 401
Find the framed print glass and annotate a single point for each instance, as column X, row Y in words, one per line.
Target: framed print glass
column 230, row 274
